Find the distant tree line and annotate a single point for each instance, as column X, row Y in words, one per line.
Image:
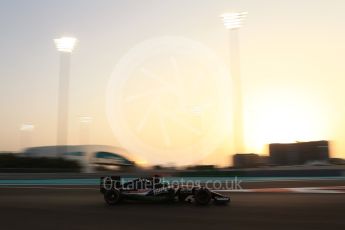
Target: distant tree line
column 20, row 163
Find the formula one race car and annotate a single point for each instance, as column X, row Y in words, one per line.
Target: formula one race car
column 152, row 189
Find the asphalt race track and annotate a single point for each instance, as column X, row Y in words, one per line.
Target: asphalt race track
column 83, row 208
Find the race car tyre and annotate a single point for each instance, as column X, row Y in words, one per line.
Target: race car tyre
column 112, row 197
column 202, row 196
column 181, row 196
column 171, row 196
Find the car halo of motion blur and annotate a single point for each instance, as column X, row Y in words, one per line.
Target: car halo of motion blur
column 154, row 190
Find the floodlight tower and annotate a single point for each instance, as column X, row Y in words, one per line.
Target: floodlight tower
column 65, row 46
column 232, row 22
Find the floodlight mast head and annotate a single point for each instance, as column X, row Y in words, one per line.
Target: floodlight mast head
column 65, row 44
column 233, row 20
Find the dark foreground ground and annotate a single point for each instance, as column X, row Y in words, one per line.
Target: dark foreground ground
column 77, row 208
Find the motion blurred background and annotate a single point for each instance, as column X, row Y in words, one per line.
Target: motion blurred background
column 291, row 62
